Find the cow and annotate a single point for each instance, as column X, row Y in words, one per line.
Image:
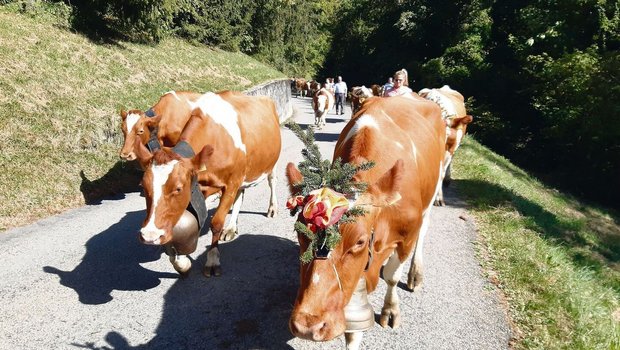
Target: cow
column 314, row 87
column 223, row 148
column 358, row 95
column 405, row 137
column 322, row 102
column 452, row 105
column 301, row 85
column 168, row 117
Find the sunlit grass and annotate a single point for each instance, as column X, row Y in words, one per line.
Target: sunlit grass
column 60, row 97
column 556, row 259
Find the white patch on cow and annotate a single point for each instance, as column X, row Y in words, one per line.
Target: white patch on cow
column 222, row 113
column 253, row 183
column 414, row 152
column 151, row 232
column 316, row 278
column 131, row 121
column 459, row 137
column 399, row 145
column 365, row 121
column 322, row 100
column 173, row 93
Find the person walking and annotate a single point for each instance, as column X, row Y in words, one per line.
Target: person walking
column 340, row 88
column 387, row 86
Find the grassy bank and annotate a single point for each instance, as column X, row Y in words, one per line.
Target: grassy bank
column 60, row 96
column 556, row 259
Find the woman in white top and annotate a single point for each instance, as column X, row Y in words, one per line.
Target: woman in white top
column 401, row 85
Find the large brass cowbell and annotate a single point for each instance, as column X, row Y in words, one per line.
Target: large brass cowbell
column 358, row 314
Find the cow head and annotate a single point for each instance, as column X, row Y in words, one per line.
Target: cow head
column 136, row 129
column 167, row 183
column 455, row 130
column 327, row 284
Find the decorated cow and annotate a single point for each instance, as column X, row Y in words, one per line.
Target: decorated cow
column 369, row 209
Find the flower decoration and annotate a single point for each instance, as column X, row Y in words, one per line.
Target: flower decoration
column 323, row 196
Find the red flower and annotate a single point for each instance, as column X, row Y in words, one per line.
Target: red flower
column 294, row 202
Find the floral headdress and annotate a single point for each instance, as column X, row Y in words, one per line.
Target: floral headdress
column 323, row 196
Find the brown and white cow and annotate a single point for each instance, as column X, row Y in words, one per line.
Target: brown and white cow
column 236, row 141
column 322, row 102
column 405, row 137
column 301, row 85
column 168, row 117
column 453, row 112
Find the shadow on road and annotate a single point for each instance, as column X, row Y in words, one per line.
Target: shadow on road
column 112, row 262
column 246, row 308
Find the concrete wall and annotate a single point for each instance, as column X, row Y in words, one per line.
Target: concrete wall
column 280, row 91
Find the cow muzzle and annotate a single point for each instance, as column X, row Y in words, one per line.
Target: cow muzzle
column 128, row 156
column 310, row 327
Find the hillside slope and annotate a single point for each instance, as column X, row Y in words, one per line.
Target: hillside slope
column 60, row 96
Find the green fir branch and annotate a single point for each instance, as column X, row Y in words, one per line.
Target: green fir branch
column 318, row 173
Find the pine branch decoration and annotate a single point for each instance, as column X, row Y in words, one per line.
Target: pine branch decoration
column 318, row 173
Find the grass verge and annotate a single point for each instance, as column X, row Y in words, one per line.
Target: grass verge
column 60, row 96
column 556, row 259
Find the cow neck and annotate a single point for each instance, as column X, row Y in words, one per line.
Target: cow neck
column 153, row 142
column 196, row 205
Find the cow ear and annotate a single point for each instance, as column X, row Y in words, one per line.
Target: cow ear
column 123, row 114
column 153, row 121
column 294, row 177
column 200, row 161
column 386, row 189
column 464, row 120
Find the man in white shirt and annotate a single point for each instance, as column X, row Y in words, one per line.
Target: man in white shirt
column 340, row 88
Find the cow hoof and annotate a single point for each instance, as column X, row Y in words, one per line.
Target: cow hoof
column 271, row 213
column 209, row 271
column 415, row 282
column 228, row 235
column 439, row 203
column 387, row 315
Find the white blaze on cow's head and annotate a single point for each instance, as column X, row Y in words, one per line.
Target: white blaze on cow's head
column 167, row 184
column 136, row 130
column 326, row 285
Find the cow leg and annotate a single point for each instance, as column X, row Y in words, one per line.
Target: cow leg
column 212, row 266
column 272, row 178
column 230, row 232
column 391, row 309
column 415, row 276
column 354, row 340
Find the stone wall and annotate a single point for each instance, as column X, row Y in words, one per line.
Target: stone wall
column 280, row 91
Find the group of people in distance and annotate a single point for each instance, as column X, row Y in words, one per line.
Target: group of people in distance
column 396, row 85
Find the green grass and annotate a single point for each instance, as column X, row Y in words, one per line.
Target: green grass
column 60, row 97
column 556, row 259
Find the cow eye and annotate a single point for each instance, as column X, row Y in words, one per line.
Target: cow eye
column 140, row 131
column 360, row 242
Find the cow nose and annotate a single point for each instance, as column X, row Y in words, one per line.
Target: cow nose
column 308, row 327
column 128, row 156
column 154, row 237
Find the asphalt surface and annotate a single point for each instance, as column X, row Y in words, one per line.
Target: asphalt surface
column 81, row 280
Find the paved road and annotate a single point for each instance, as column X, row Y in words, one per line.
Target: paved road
column 82, row 280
